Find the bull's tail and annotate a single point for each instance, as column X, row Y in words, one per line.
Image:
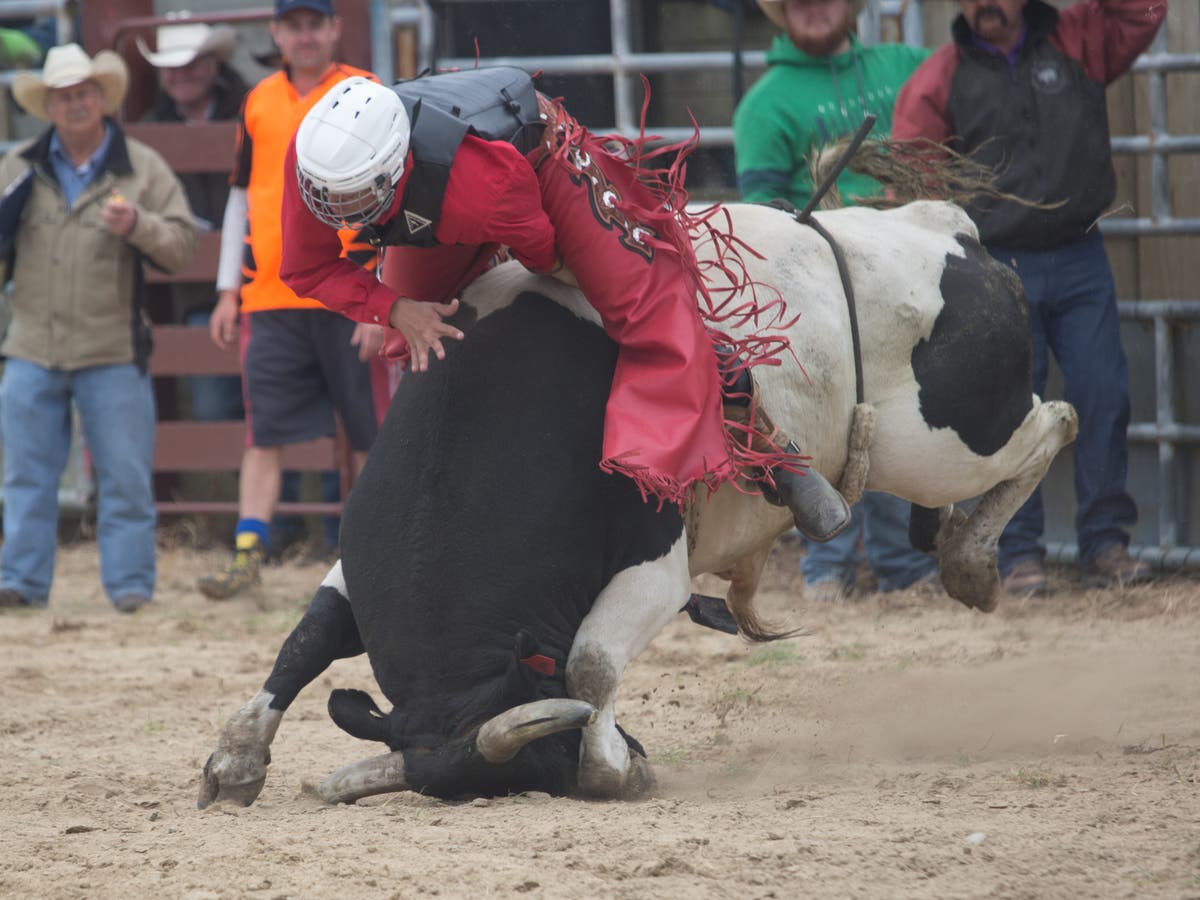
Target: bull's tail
column 913, row 170
column 751, row 626
column 743, row 584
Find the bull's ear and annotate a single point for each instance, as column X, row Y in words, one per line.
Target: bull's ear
column 525, row 644
column 356, row 713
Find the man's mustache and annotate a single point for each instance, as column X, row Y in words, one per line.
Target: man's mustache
column 996, row 11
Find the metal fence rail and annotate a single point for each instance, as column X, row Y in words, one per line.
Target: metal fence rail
column 1166, row 432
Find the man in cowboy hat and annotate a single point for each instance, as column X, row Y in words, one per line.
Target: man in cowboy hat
column 197, row 85
column 820, row 84
column 83, row 207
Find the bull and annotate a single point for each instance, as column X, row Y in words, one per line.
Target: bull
column 500, row 583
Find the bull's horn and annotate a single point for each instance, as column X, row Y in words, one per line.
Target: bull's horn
column 377, row 775
column 502, row 736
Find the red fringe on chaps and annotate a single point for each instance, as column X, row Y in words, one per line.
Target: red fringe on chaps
column 623, row 229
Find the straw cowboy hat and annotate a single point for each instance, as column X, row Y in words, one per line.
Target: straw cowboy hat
column 180, row 43
column 68, row 65
column 774, row 10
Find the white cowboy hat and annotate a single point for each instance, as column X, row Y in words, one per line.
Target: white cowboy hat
column 68, row 65
column 180, row 43
column 774, row 10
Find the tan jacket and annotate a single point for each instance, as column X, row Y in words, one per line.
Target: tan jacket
column 77, row 288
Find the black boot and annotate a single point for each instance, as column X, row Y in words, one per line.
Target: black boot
column 818, row 509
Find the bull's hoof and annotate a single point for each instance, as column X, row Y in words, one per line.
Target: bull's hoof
column 984, row 604
column 228, row 779
column 602, row 782
column 975, row 589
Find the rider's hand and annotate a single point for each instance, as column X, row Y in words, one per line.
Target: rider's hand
column 368, row 339
column 423, row 327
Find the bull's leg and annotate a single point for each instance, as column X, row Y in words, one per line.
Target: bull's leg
column 237, row 769
column 967, row 547
column 629, row 612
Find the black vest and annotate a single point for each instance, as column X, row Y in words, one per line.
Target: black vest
column 1043, row 124
column 497, row 103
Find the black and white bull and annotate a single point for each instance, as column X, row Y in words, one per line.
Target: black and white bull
column 500, row 584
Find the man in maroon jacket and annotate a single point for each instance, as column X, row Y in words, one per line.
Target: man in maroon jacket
column 1021, row 88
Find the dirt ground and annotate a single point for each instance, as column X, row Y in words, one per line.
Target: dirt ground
column 903, row 747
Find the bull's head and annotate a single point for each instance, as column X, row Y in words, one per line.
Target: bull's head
column 505, row 735
column 485, row 762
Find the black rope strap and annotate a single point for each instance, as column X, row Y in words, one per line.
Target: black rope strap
column 804, row 217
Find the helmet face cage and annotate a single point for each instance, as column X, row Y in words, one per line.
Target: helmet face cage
column 352, row 209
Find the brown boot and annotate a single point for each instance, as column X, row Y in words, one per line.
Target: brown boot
column 1114, row 567
column 1027, row 579
column 818, row 509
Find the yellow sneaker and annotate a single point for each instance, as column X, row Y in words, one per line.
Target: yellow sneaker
column 240, row 574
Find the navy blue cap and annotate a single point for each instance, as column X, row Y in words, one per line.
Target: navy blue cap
column 283, row 7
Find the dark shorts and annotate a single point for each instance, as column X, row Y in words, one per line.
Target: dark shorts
column 298, row 368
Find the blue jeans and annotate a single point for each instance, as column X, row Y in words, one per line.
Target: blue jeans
column 881, row 520
column 1073, row 312
column 116, row 407
column 214, row 397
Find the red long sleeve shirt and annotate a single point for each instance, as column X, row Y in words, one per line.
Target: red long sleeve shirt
column 492, row 197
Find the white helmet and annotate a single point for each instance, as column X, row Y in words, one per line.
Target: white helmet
column 350, row 153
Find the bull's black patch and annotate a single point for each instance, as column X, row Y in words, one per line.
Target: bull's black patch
column 480, row 531
column 975, row 370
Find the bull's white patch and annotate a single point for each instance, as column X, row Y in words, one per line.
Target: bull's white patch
column 334, row 579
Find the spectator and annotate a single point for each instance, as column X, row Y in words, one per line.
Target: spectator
column 443, row 198
column 820, row 83
column 299, row 360
column 1021, row 88
column 197, row 85
column 83, row 207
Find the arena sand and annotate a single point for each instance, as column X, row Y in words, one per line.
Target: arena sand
column 904, row 746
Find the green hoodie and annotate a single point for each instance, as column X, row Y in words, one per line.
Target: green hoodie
column 806, row 101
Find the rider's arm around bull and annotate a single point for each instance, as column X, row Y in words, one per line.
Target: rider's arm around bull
column 443, row 199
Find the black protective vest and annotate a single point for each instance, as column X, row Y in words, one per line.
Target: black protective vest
column 1043, row 125
column 497, row 103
